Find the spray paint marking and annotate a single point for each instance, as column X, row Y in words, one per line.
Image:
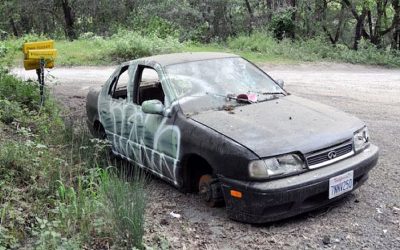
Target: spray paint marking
column 146, row 139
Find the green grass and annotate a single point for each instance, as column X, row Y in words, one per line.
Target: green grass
column 97, row 53
column 260, row 47
column 80, row 52
column 106, row 52
column 56, row 190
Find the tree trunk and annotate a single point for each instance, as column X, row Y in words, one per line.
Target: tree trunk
column 375, row 33
column 396, row 39
column 69, row 20
column 378, row 25
column 13, row 27
column 320, row 10
column 294, row 11
column 340, row 24
column 251, row 14
column 130, row 5
column 275, row 5
column 396, row 25
column 359, row 29
column 335, row 39
column 360, row 22
column 270, row 10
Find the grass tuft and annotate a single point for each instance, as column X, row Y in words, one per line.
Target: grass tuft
column 125, row 202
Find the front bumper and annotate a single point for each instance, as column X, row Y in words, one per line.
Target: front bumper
column 274, row 200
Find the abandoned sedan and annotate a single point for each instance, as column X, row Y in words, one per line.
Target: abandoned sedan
column 216, row 124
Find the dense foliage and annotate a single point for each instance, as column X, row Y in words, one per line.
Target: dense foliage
column 104, row 32
column 338, row 21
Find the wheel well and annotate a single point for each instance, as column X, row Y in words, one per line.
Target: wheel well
column 193, row 168
column 97, row 125
column 98, row 129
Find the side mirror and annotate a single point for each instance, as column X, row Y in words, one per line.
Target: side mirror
column 280, row 82
column 153, row 107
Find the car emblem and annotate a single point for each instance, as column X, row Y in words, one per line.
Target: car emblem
column 332, row 155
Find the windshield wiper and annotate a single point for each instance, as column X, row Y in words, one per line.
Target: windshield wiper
column 273, row 93
column 239, row 98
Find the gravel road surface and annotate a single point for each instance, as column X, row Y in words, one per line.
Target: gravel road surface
column 369, row 218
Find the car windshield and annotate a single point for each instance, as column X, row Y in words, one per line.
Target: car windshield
column 217, row 83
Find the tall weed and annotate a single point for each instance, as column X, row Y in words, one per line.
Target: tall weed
column 125, row 200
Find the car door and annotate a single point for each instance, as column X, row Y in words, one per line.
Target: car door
column 112, row 107
column 153, row 139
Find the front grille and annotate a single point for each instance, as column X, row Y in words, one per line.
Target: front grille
column 321, row 158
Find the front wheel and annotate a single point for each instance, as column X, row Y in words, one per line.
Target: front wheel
column 210, row 191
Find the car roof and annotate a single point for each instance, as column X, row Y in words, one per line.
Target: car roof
column 177, row 58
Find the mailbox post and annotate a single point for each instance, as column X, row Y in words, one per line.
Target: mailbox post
column 40, row 74
column 38, row 56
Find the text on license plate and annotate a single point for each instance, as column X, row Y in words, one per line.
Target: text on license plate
column 340, row 184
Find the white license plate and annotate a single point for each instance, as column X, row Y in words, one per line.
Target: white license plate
column 340, row 184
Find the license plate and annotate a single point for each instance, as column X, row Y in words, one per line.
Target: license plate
column 340, row 184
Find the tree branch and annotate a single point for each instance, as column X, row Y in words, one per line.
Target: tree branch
column 352, row 8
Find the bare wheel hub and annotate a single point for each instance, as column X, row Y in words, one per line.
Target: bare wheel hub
column 210, row 191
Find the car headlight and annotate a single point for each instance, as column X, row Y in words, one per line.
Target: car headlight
column 361, row 139
column 276, row 166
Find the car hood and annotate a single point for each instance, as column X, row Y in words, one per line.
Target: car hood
column 279, row 126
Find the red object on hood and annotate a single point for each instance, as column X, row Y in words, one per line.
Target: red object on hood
column 247, row 97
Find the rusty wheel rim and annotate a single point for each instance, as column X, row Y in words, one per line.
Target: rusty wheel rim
column 205, row 190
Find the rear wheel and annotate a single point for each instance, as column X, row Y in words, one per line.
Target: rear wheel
column 99, row 131
column 210, row 191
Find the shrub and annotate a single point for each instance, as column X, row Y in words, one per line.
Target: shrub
column 26, row 93
column 155, row 27
column 19, row 101
column 9, row 111
column 282, row 23
column 257, row 42
column 131, row 45
column 3, row 49
column 15, row 162
column 314, row 49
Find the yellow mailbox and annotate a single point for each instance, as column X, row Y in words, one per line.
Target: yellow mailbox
column 36, row 51
column 47, row 54
column 39, row 55
column 38, row 45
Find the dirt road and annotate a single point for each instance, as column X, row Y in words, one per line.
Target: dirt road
column 368, row 218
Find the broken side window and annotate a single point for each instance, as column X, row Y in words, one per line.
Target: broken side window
column 148, row 86
column 119, row 85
